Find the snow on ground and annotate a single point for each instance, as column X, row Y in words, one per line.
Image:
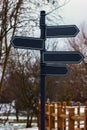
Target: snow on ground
column 19, row 129
column 29, row 129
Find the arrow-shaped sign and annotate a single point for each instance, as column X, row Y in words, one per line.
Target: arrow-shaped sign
column 52, row 70
column 27, row 43
column 68, row 57
column 61, row 31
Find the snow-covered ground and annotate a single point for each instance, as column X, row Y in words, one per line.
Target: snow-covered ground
column 19, row 129
column 29, row 129
column 16, row 128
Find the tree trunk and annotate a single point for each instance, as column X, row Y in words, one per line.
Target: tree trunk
column 29, row 120
column 17, row 112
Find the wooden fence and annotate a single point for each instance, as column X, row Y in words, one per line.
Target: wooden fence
column 63, row 116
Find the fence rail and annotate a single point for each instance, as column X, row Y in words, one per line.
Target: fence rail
column 63, row 116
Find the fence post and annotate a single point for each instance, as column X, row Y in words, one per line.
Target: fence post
column 70, row 103
column 47, row 115
column 52, row 116
column 64, row 112
column 78, row 113
column 71, row 122
column 59, row 119
column 85, row 125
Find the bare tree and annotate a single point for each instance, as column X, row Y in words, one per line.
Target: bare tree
column 8, row 23
column 23, row 83
column 80, row 44
column 22, row 17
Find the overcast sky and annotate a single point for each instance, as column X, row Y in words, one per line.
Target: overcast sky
column 75, row 12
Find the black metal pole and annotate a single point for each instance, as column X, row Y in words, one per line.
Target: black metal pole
column 42, row 76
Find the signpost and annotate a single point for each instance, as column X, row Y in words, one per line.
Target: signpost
column 42, row 65
column 27, row 43
column 61, row 31
column 49, row 57
column 53, row 70
column 65, row 57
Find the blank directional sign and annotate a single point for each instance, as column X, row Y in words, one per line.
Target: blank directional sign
column 51, row 70
column 68, row 57
column 61, row 31
column 27, row 43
